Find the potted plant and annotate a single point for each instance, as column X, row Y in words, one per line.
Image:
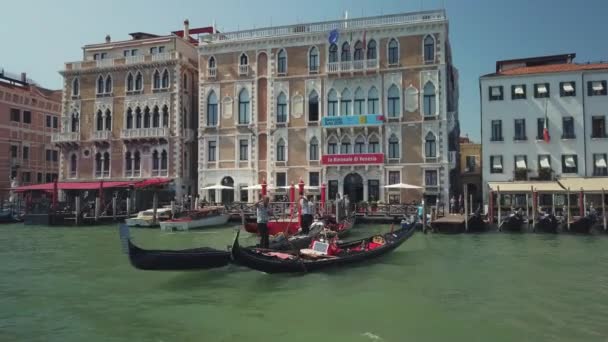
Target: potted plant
column 362, row 207
column 374, row 206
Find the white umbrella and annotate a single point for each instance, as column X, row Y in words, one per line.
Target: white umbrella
column 306, row 187
column 402, row 186
column 217, row 187
column 257, row 187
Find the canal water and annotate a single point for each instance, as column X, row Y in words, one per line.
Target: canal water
column 75, row 284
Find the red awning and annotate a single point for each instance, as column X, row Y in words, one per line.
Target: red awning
column 75, row 186
column 153, row 182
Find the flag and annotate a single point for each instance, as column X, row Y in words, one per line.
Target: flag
column 546, row 136
column 364, row 41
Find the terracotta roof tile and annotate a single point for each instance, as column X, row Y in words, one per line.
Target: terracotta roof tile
column 551, row 68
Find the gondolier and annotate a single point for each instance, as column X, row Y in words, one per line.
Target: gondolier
column 263, row 212
column 306, row 214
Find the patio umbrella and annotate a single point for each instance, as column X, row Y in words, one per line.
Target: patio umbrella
column 402, row 186
column 217, row 187
column 259, row 187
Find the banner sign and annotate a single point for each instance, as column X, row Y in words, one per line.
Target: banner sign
column 353, row 120
column 352, row 159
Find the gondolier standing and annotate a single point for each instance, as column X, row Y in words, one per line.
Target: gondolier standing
column 263, row 212
column 306, row 214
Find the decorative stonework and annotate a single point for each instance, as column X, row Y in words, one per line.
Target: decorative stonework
column 297, row 106
column 227, row 107
column 411, row 99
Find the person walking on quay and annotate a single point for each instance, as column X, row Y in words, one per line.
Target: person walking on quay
column 263, row 212
column 306, row 217
column 452, row 205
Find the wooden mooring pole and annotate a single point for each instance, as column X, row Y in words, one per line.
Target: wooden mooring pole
column 154, row 206
column 78, row 210
column 498, row 204
column 534, row 204
column 466, row 209
column 97, row 208
column 604, row 208
column 114, row 208
column 568, row 209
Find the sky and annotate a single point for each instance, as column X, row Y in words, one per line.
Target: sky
column 38, row 36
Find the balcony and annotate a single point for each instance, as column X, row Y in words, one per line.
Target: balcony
column 244, row 70
column 101, row 135
column 65, row 138
column 212, row 73
column 160, row 173
column 347, row 66
column 151, row 133
column 109, row 63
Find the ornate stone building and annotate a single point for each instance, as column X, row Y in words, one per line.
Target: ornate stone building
column 130, row 109
column 357, row 104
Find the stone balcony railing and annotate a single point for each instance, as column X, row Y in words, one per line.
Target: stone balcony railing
column 358, row 65
column 64, row 137
column 120, row 61
column 101, row 135
column 145, row 133
column 327, row 26
column 212, row 73
column 244, row 70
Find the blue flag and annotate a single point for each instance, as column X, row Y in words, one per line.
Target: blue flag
column 333, row 36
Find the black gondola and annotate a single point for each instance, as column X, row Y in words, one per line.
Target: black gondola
column 270, row 262
column 172, row 260
column 547, row 223
column 477, row 222
column 299, row 241
column 583, row 224
column 513, row 223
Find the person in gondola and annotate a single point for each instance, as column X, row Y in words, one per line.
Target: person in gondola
column 263, row 212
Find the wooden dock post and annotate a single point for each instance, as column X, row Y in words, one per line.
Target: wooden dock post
column 154, row 206
column 78, row 210
column 423, row 216
column 527, row 207
column 534, row 204
column 553, row 203
column 471, row 203
column 466, row 210
column 172, row 208
column 568, row 209
column 604, row 207
column 97, row 208
column 498, row 204
column 114, row 207
column 128, row 206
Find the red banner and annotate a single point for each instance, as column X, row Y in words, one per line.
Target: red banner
column 351, row 159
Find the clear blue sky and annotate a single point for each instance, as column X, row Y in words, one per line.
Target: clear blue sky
column 39, row 36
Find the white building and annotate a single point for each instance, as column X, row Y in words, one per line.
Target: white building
column 514, row 103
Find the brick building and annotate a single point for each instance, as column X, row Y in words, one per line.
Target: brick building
column 130, row 109
column 357, row 104
column 30, row 115
column 471, row 168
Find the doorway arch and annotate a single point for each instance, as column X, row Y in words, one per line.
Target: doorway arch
column 353, row 187
column 228, row 194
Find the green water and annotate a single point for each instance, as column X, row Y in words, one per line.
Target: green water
column 74, row 284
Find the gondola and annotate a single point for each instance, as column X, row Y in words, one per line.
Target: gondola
column 477, row 222
column 547, row 223
column 583, row 224
column 513, row 223
column 349, row 253
column 299, row 241
column 172, row 260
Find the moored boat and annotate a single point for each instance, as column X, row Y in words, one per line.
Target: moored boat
column 206, row 217
column 477, row 222
column 170, row 260
column 547, row 223
column 321, row 255
column 8, row 216
column 584, row 224
column 146, row 218
column 513, row 223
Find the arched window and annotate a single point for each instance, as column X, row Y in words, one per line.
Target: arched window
column 100, row 85
column 128, row 164
column 332, row 103
column 108, row 84
column 185, row 83
column 139, row 81
column 333, row 53
column 281, row 108
column 346, row 103
column 430, row 146
column 130, row 82
column 185, row 117
column 155, row 161
column 373, row 101
column 156, row 79
column 332, row 146
column 98, row 164
column 136, row 164
column 393, row 52
column 345, row 56
column 165, row 116
column 314, row 149
column 373, row 145
column 394, row 108
column 281, row 150
column 313, row 106
column 211, row 63
column 155, row 117
column 106, row 164
column 137, row 117
column 345, row 146
column 75, row 87
column 358, row 56
column 146, row 117
column 429, row 49
column 212, row 109
column 99, row 121
column 165, row 80
column 371, row 50
column 360, row 144
column 129, row 118
column 163, row 160
column 75, row 123
column 313, row 59
column 282, row 62
column 244, row 107
column 73, row 165
column 393, row 147
column 108, row 120
column 429, row 100
column 244, row 60
column 359, row 102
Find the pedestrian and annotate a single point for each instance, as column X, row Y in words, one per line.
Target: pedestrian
column 306, row 217
column 346, row 205
column 452, row 205
column 263, row 212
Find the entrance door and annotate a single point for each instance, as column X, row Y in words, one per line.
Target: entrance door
column 353, row 187
column 228, row 194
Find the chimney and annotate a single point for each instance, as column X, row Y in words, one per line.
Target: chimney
column 23, row 77
column 108, row 39
column 186, row 30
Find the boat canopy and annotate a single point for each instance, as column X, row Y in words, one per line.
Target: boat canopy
column 94, row 185
column 522, row 187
